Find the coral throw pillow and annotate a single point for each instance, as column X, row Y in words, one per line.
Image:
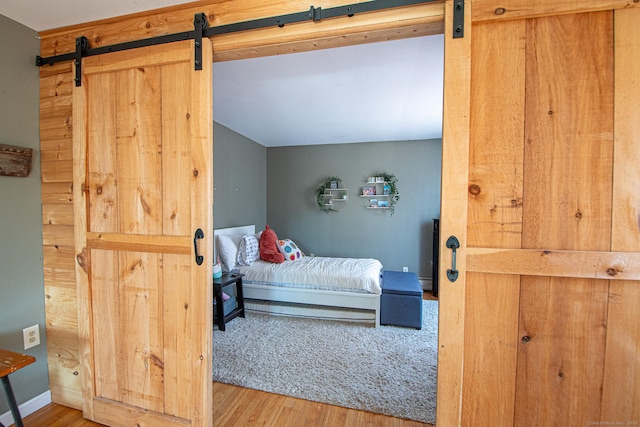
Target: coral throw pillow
column 268, row 246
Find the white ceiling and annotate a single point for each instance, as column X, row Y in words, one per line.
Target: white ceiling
column 43, row 15
column 390, row 91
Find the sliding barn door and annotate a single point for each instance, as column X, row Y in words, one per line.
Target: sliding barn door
column 541, row 186
column 142, row 187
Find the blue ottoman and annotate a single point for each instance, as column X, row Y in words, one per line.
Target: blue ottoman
column 401, row 300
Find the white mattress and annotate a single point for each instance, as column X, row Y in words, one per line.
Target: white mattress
column 346, row 274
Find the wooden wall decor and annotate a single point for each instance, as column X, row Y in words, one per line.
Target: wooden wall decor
column 15, row 161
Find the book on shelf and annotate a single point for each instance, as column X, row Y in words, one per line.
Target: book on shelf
column 368, row 191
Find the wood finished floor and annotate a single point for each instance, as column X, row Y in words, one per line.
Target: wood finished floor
column 240, row 407
column 426, row 295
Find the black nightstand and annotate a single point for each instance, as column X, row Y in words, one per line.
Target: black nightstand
column 436, row 257
column 218, row 284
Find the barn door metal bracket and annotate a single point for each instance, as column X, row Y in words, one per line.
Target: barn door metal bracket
column 458, row 19
column 453, row 244
column 82, row 44
column 200, row 24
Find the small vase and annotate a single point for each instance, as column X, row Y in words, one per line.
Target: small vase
column 217, row 271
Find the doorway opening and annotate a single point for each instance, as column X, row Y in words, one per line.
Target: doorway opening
column 301, row 115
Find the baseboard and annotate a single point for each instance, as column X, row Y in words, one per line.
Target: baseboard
column 427, row 284
column 28, row 407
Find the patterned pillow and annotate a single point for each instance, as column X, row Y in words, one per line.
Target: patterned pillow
column 248, row 250
column 289, row 249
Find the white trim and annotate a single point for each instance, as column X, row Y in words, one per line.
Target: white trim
column 235, row 231
column 28, row 407
column 426, row 284
column 315, row 297
column 310, row 311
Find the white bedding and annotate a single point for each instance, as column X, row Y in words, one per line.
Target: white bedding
column 347, row 274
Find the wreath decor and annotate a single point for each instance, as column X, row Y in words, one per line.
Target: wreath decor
column 321, row 195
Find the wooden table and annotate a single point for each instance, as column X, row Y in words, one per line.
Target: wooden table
column 218, row 284
column 9, row 363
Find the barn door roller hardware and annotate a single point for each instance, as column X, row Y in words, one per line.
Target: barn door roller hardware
column 314, row 14
column 201, row 29
column 83, row 50
column 458, row 19
column 82, row 44
column 200, row 24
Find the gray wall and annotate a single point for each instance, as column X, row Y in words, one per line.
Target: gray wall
column 404, row 239
column 258, row 185
column 239, row 180
column 21, row 271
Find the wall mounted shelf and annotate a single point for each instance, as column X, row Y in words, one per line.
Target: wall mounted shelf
column 381, row 192
column 332, row 196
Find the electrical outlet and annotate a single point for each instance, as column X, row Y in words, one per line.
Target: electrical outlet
column 31, row 336
column 405, row 269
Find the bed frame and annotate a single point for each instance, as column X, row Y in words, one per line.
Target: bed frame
column 323, row 304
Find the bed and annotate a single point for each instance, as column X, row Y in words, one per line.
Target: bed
column 320, row 287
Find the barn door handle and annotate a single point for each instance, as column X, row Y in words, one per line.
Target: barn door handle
column 453, row 243
column 199, row 235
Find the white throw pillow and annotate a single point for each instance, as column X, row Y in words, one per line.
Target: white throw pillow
column 228, row 251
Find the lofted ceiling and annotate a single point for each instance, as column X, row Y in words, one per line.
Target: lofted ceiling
column 387, row 91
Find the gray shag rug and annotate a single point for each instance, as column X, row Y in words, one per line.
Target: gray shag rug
column 387, row 370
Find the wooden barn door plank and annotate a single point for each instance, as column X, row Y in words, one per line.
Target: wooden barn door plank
column 561, row 351
column 142, row 186
column 626, row 179
column 496, row 152
column 569, row 132
column 494, row 219
column 568, row 182
column 491, row 328
column 621, row 390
